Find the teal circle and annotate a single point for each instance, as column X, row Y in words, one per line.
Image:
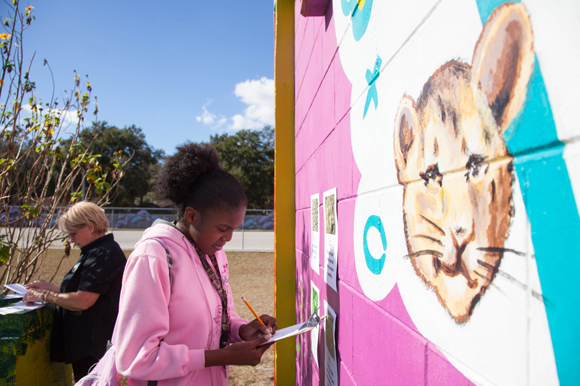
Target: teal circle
column 375, row 265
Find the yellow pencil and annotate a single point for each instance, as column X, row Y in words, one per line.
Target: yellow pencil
column 253, row 312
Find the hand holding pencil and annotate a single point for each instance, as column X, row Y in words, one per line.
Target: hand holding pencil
column 264, row 325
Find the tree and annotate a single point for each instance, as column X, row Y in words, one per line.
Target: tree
column 249, row 156
column 37, row 166
column 138, row 175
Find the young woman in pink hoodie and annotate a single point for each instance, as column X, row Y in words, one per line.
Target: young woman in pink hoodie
column 177, row 325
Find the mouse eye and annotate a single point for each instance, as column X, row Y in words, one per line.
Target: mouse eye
column 432, row 175
column 475, row 165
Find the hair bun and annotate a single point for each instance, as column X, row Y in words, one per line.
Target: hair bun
column 181, row 171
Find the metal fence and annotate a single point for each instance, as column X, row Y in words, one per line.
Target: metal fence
column 137, row 218
column 141, row 218
column 14, row 216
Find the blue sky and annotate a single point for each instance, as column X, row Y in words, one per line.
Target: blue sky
column 179, row 70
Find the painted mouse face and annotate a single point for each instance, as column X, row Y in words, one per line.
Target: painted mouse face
column 454, row 165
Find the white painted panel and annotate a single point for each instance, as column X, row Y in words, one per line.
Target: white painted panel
column 556, row 26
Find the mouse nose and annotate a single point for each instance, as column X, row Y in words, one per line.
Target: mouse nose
column 463, row 232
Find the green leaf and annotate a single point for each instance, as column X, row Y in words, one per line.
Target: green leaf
column 4, row 254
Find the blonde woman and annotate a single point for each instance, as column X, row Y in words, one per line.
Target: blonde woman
column 87, row 301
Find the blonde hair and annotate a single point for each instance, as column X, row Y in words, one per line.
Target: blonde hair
column 83, row 214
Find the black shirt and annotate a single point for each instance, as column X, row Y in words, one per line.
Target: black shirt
column 78, row 334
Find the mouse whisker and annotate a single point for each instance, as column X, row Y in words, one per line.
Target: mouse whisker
column 425, row 252
column 501, row 250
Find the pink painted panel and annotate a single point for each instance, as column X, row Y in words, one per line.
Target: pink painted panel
column 302, row 274
column 312, row 78
column 300, row 23
column 346, row 325
column 312, row 44
column 440, row 372
column 323, row 107
column 304, row 53
column 308, row 176
column 385, row 349
column 310, row 182
column 318, row 124
column 328, row 36
column 327, row 165
column 301, row 199
column 299, row 32
column 346, row 265
column 307, row 371
column 394, row 305
column 343, row 89
column 338, row 164
column 349, row 176
column 345, row 376
column 303, row 234
column 301, row 108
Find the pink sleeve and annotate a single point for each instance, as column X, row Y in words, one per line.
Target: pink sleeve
column 143, row 321
column 235, row 323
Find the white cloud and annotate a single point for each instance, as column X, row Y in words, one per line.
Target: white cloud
column 258, row 95
column 206, row 117
column 211, row 119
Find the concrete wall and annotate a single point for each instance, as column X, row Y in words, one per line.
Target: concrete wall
column 449, row 130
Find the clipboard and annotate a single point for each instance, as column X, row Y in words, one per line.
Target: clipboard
column 297, row 329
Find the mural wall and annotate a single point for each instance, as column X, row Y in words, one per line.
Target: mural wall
column 442, row 135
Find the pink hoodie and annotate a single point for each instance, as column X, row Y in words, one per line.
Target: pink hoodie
column 162, row 332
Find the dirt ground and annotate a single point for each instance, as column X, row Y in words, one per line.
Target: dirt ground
column 251, row 276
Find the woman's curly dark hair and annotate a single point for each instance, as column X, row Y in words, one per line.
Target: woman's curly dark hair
column 193, row 177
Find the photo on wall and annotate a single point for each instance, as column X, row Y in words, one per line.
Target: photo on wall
column 314, row 307
column 330, row 361
column 315, row 232
column 330, row 238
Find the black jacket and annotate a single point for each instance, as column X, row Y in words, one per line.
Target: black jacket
column 78, row 334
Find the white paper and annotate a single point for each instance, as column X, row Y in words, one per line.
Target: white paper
column 19, row 306
column 314, row 305
column 315, row 231
column 13, row 296
column 330, row 362
column 287, row 332
column 16, row 287
column 330, row 238
column 294, row 330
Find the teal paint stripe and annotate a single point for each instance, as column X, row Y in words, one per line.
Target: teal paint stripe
column 486, row 7
column 555, row 224
column 555, row 227
column 553, row 214
column 534, row 127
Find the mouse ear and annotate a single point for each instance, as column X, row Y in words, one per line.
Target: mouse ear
column 503, row 61
column 407, row 127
